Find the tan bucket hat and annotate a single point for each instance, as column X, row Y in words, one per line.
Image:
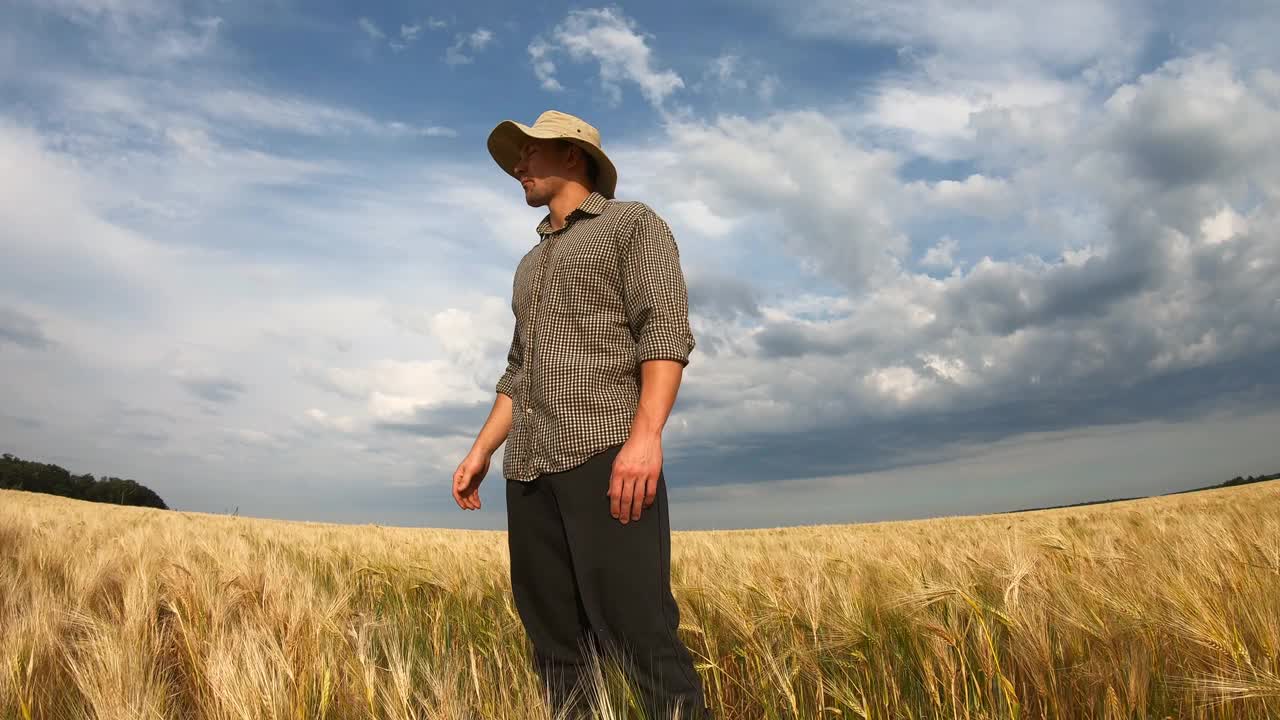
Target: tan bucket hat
column 509, row 136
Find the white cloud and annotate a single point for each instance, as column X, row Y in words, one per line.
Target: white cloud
column 543, row 67
column 942, row 255
column 181, row 44
column 341, row 423
column 1104, row 233
column 469, row 335
column 116, row 13
column 299, row 115
column 897, row 385
column 941, row 116
column 977, row 194
column 140, row 34
column 465, row 45
column 1114, row 302
column 1196, row 120
column 729, row 72
column 967, row 64
column 162, row 109
column 612, row 40
column 940, row 112
column 371, row 28
column 724, row 71
column 1223, row 226
column 46, row 212
column 397, row 389
column 695, row 215
column 254, row 437
column 22, row 330
column 409, row 33
column 1069, row 34
column 833, row 193
column 148, row 212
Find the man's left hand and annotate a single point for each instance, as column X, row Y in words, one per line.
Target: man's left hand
column 633, row 484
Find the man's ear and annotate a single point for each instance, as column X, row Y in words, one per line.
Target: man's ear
column 583, row 157
column 581, row 160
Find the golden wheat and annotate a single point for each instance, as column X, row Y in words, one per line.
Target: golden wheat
column 1168, row 607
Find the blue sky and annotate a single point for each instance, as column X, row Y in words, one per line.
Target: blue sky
column 942, row 257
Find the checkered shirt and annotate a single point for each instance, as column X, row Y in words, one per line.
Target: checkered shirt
column 591, row 301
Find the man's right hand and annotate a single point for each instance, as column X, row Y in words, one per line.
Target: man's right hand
column 467, row 479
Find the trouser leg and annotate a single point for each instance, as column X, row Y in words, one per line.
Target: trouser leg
column 624, row 577
column 545, row 593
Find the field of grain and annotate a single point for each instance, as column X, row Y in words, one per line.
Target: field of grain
column 1168, row 607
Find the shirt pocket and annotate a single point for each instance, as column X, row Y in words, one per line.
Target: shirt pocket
column 586, row 278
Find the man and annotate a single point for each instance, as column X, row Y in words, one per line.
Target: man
column 600, row 343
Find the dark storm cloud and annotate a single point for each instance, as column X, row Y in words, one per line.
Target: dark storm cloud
column 789, row 338
column 722, row 296
column 717, row 304
column 22, row 330
column 704, row 395
column 445, row 420
column 1177, row 159
column 1095, row 336
column 996, row 300
column 1168, row 144
column 1248, row 384
column 1163, row 322
column 1002, row 299
column 214, row 389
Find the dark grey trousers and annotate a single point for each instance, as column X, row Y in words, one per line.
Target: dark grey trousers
column 583, row 582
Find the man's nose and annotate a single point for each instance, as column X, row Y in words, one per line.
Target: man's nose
column 519, row 167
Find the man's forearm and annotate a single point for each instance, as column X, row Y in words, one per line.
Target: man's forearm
column 496, row 426
column 659, row 384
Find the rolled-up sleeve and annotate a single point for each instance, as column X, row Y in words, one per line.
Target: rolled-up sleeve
column 654, row 291
column 515, row 365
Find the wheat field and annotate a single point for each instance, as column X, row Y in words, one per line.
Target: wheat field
column 1166, row 607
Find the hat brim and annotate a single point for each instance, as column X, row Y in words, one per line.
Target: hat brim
column 507, row 139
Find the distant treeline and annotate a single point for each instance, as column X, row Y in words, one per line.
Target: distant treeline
column 18, row 474
column 1237, row 480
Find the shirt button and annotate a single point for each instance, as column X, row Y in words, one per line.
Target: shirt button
column 528, row 409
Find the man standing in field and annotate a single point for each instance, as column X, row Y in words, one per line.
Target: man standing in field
column 600, row 343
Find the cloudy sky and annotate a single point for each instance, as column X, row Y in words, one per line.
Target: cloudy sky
column 943, row 257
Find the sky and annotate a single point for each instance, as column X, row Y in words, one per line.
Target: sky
column 942, row 257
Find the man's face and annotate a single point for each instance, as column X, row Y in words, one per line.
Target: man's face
column 541, row 170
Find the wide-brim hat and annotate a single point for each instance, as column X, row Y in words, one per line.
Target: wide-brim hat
column 509, row 137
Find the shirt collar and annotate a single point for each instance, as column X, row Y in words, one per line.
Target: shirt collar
column 593, row 204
